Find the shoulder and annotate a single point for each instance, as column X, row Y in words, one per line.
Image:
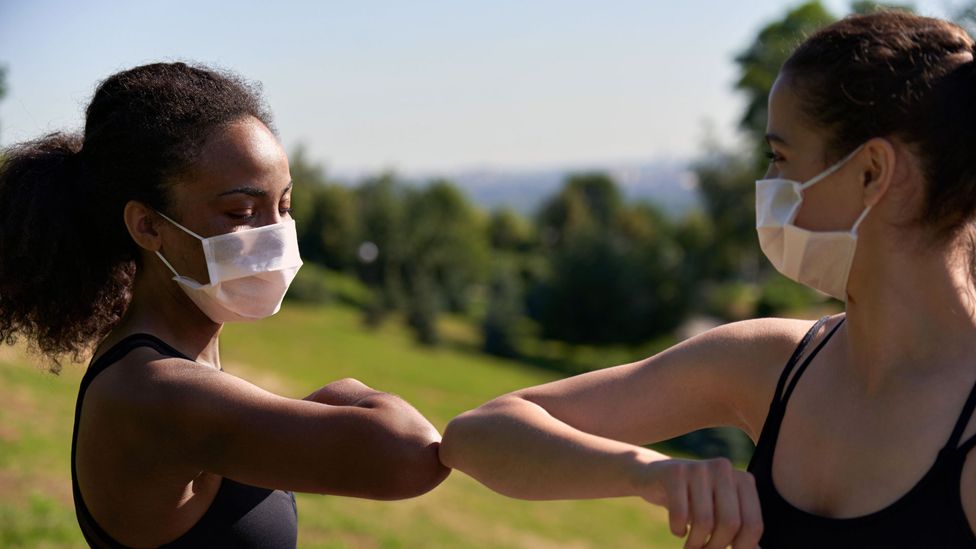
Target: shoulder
column 746, row 359
column 145, row 376
column 156, row 398
column 176, row 409
column 769, row 332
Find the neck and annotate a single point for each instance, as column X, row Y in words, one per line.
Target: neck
column 914, row 311
column 160, row 307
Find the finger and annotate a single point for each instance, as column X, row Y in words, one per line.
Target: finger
column 752, row 524
column 677, row 494
column 726, row 504
column 702, row 516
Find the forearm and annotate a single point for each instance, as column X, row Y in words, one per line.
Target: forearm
column 517, row 449
column 400, row 446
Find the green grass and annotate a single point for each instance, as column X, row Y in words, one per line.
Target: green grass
column 294, row 353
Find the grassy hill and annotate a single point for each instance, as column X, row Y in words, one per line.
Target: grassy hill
column 294, row 353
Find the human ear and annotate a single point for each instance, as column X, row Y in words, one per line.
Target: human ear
column 878, row 170
column 141, row 220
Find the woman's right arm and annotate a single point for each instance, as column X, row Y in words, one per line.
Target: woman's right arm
column 344, row 439
column 580, row 437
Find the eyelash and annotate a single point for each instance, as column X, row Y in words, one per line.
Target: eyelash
column 246, row 218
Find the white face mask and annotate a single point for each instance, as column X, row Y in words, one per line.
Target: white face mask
column 821, row 260
column 249, row 271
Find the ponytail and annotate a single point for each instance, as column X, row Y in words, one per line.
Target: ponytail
column 950, row 196
column 60, row 286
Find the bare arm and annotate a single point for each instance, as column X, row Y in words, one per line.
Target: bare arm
column 345, row 439
column 578, row 437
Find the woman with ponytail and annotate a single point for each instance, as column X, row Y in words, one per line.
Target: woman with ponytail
column 863, row 421
column 133, row 243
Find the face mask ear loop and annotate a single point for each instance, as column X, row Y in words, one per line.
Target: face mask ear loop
column 167, row 264
column 184, row 229
column 206, row 250
column 860, row 219
column 826, row 173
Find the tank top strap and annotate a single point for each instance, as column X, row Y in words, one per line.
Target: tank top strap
column 961, row 423
column 124, row 347
column 781, row 384
column 93, row 533
column 806, row 362
column 133, row 341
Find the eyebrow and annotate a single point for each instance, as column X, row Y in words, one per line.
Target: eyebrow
column 254, row 191
column 772, row 137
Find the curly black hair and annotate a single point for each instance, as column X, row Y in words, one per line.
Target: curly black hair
column 67, row 262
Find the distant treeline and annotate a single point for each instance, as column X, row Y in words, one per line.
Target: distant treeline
column 587, row 268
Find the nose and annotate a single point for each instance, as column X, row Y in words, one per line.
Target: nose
column 274, row 216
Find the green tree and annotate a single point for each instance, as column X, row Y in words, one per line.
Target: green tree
column 325, row 214
column 505, row 310
column 336, row 226
column 509, row 231
column 427, row 249
column 587, row 202
column 308, row 179
column 868, row 6
column 381, row 253
column 760, row 62
column 614, row 271
column 445, row 247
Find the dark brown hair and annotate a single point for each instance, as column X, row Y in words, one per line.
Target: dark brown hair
column 66, row 259
column 895, row 74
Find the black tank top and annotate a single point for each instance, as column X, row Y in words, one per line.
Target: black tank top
column 240, row 515
column 928, row 515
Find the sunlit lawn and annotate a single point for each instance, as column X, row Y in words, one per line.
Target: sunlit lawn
column 293, row 353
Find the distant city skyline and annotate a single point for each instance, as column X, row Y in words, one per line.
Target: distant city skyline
column 420, row 87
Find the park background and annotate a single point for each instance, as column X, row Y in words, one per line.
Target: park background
column 489, row 195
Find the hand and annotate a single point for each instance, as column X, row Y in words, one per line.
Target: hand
column 719, row 502
column 345, row 392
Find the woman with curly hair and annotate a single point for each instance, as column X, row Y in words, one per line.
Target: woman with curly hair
column 135, row 242
column 864, row 438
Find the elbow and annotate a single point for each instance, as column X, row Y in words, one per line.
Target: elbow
column 475, row 434
column 458, row 432
column 412, row 464
column 418, row 471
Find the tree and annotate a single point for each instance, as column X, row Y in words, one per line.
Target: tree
column 614, row 272
column 761, row 61
column 868, row 6
column 505, row 310
column 335, row 228
column 508, row 231
column 381, row 217
column 445, row 253
column 587, row 202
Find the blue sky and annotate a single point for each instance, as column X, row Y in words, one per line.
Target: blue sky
column 418, row 86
